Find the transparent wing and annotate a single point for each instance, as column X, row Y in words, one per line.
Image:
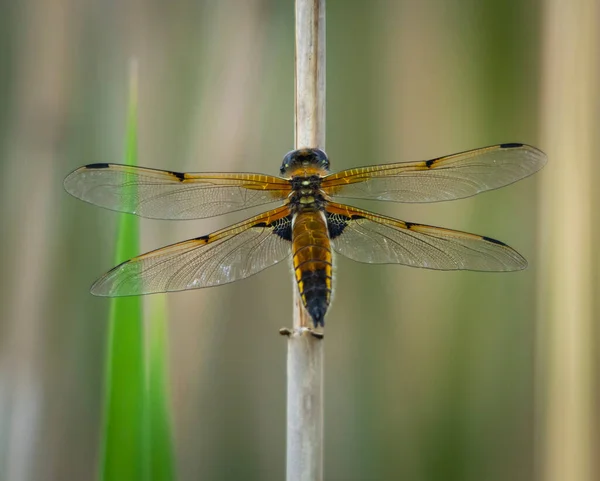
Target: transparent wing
column 366, row 237
column 219, row 258
column 446, row 178
column 160, row 194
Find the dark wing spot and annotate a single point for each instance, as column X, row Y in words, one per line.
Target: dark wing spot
column 283, row 228
column 97, row 166
column 179, row 175
column 429, row 163
column 203, row 238
column 494, row 241
column 409, row 225
column 336, row 224
column 513, row 145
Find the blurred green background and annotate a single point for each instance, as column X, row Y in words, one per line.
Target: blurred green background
column 429, row 375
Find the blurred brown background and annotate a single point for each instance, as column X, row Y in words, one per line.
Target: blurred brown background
column 429, row 375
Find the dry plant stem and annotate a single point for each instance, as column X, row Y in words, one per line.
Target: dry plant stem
column 305, row 407
column 310, row 73
column 305, row 351
column 567, row 424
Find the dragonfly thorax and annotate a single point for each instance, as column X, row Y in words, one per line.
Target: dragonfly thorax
column 306, row 193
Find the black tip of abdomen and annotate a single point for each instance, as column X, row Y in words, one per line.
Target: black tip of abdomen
column 317, row 309
column 316, row 292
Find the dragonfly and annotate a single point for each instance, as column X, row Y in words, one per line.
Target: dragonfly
column 308, row 225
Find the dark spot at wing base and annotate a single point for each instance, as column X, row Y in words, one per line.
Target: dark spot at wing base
column 97, row 166
column 203, row 238
column 336, row 223
column 429, row 163
column 283, row 228
column 512, row 145
column 179, row 175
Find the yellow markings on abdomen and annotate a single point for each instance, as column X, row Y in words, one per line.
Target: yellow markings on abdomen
column 312, row 262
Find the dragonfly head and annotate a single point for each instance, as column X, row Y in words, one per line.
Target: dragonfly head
column 305, row 162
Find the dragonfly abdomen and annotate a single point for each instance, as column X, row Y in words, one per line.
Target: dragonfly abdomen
column 312, row 262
